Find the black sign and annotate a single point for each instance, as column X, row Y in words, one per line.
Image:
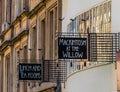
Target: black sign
column 29, row 71
column 72, row 48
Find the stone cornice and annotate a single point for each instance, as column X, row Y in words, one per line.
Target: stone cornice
column 21, row 34
column 36, row 9
column 4, row 44
column 10, row 42
column 23, row 14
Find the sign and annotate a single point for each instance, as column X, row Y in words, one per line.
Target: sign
column 72, row 48
column 29, row 71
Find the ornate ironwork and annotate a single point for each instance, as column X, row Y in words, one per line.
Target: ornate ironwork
column 101, row 47
column 54, row 71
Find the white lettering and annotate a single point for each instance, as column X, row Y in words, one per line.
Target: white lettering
column 72, row 55
column 68, row 42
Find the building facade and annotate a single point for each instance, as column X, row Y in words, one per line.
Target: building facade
column 28, row 34
column 98, row 17
column 28, row 30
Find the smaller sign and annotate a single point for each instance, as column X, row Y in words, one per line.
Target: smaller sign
column 30, row 71
column 72, row 48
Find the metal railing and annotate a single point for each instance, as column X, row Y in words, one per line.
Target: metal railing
column 101, row 49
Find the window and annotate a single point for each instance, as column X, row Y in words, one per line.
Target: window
column 19, row 7
column 9, row 11
column 56, row 17
column 33, row 42
column 52, row 29
column 7, row 67
column 43, row 38
column 16, row 68
column 51, row 34
column 25, row 53
column 25, row 57
column 25, row 5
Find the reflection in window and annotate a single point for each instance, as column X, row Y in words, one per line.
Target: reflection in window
column 99, row 20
